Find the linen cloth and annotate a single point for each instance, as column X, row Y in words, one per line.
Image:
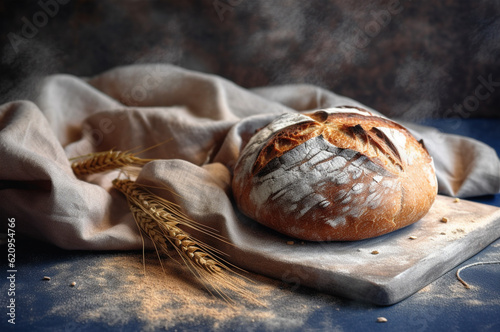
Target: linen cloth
column 201, row 122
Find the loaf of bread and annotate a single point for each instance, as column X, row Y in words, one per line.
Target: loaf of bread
column 339, row 174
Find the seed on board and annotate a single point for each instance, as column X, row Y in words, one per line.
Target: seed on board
column 444, row 219
column 412, row 237
column 290, row 242
column 46, row 278
column 381, row 320
column 456, row 200
column 73, row 284
column 375, row 252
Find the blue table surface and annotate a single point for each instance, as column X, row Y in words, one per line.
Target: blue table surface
column 444, row 305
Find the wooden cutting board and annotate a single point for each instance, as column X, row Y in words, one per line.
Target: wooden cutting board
column 402, row 266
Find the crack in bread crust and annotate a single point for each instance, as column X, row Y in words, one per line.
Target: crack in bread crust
column 344, row 130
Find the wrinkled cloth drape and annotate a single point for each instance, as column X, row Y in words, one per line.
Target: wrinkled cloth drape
column 202, row 122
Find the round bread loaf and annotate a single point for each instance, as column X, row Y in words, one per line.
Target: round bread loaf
column 339, row 174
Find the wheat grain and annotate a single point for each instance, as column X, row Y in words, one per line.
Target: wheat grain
column 160, row 219
column 163, row 220
column 158, row 207
column 214, row 275
column 109, row 160
column 163, row 232
column 105, row 161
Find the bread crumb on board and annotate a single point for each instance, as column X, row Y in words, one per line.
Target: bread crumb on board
column 412, row 237
column 381, row 320
column 456, row 200
column 444, row 220
column 375, row 252
column 46, row 278
column 290, row 242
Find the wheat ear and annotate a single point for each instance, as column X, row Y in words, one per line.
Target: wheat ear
column 159, row 220
column 167, row 231
column 159, row 207
column 105, row 161
column 108, row 160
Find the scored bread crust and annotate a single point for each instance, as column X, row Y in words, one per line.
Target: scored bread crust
column 339, row 174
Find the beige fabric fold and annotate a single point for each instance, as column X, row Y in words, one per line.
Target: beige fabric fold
column 201, row 120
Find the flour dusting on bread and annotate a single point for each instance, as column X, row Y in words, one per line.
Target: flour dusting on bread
column 335, row 174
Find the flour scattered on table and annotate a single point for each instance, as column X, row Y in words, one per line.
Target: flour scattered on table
column 114, row 290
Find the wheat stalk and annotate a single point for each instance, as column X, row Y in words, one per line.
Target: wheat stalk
column 160, row 219
column 158, row 207
column 105, row 161
column 98, row 162
column 161, row 233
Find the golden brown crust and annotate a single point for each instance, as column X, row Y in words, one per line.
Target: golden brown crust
column 346, row 131
column 335, row 175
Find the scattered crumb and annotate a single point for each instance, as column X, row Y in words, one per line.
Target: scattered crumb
column 456, row 200
column 444, row 219
column 473, row 220
column 46, row 278
column 375, row 252
column 442, row 233
column 290, row 242
column 73, row 284
column 358, row 250
column 381, row 320
column 412, row 237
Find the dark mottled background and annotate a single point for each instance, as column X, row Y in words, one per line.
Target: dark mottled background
column 410, row 59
